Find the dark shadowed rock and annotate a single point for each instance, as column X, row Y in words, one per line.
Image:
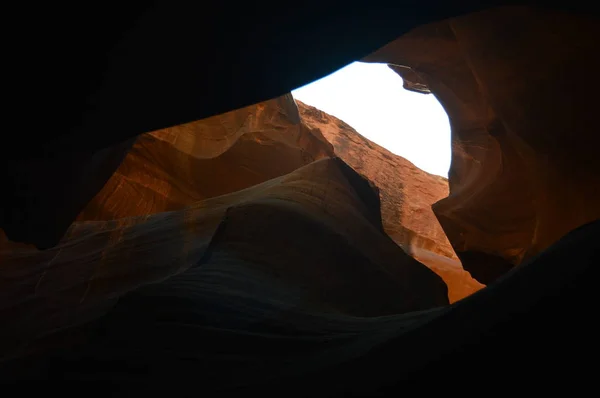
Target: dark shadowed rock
column 316, row 231
column 47, row 193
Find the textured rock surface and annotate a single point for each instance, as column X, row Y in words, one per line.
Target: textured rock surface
column 182, row 343
column 406, row 193
column 315, row 233
column 173, row 168
column 217, row 322
column 518, row 180
column 169, row 169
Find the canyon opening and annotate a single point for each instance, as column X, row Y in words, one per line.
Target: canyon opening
column 173, row 217
column 371, row 98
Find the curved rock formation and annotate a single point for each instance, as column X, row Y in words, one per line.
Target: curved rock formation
column 146, row 67
column 184, row 336
column 406, row 193
column 170, row 169
column 314, row 234
column 173, row 168
column 518, row 180
column 153, row 66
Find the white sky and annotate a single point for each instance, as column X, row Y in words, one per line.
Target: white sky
column 370, row 98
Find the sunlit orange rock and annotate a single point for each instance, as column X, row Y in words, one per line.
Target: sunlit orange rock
column 406, row 193
column 169, row 169
column 519, row 178
column 176, row 167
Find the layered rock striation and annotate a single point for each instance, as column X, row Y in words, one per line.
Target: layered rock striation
column 314, row 235
column 170, row 169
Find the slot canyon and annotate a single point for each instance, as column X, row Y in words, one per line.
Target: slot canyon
column 174, row 221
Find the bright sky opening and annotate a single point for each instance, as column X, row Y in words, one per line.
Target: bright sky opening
column 370, row 98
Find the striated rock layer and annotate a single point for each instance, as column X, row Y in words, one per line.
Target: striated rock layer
column 519, row 178
column 173, row 168
column 314, row 235
column 170, row 169
column 183, row 335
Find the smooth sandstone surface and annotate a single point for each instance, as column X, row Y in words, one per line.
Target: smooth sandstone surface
column 519, row 178
column 177, row 167
column 315, row 234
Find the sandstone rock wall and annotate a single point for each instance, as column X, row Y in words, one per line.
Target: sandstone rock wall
column 170, row 169
column 406, row 193
column 173, row 168
column 315, row 234
column 519, row 178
